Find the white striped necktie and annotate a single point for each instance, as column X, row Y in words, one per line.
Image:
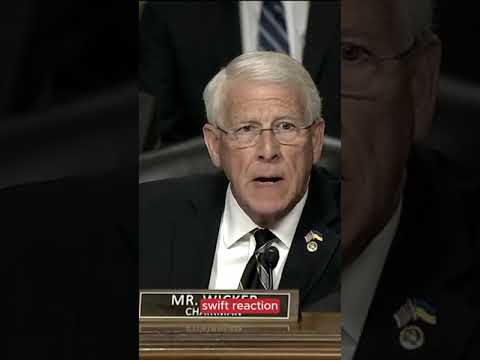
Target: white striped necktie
column 272, row 35
column 255, row 275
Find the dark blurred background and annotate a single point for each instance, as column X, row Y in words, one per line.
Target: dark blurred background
column 457, row 124
column 68, row 91
column 68, row 179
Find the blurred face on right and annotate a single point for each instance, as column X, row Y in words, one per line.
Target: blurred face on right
column 389, row 80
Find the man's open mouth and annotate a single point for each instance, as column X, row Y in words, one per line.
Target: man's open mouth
column 263, row 179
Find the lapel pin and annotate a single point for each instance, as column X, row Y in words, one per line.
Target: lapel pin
column 425, row 311
column 405, row 314
column 415, row 309
column 312, row 246
column 411, row 337
column 311, row 238
column 313, row 235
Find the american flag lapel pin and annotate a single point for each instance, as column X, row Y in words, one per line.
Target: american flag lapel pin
column 312, row 238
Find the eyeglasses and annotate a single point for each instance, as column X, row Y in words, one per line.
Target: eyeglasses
column 361, row 68
column 286, row 133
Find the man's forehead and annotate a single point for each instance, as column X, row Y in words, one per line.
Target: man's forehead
column 243, row 92
column 247, row 85
column 247, row 113
column 384, row 24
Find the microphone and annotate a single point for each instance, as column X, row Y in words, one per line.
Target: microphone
column 271, row 257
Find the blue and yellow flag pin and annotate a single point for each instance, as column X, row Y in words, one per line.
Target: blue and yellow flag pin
column 313, row 235
column 425, row 311
column 413, row 309
column 311, row 238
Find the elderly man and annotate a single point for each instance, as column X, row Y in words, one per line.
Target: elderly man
column 407, row 288
column 265, row 131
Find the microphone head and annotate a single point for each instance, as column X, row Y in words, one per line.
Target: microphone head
column 271, row 257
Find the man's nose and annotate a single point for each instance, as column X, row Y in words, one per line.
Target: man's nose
column 268, row 147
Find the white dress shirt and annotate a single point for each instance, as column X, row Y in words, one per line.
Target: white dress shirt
column 236, row 243
column 359, row 282
column 296, row 17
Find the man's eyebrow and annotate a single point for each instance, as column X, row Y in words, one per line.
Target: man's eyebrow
column 370, row 43
column 358, row 34
column 254, row 119
column 286, row 117
column 365, row 38
column 371, row 40
column 246, row 120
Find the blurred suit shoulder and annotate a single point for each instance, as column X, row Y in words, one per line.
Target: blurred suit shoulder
column 174, row 194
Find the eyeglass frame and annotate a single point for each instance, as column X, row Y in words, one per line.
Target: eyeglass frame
column 401, row 55
column 260, row 131
column 397, row 57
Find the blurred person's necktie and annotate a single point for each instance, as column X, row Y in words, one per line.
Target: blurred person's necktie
column 272, row 35
column 256, row 274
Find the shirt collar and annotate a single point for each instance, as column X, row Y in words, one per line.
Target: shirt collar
column 237, row 223
column 359, row 280
column 285, row 228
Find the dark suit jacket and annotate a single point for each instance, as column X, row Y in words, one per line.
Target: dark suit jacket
column 434, row 256
column 179, row 224
column 183, row 45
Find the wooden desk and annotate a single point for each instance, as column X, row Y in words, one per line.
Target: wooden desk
column 315, row 336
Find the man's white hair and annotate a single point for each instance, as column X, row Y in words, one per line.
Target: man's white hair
column 265, row 66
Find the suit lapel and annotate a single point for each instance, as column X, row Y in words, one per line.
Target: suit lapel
column 303, row 267
column 196, row 236
column 404, row 277
column 207, row 36
column 319, row 35
column 226, row 45
column 428, row 259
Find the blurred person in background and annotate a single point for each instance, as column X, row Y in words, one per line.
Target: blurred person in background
column 183, row 44
column 408, row 238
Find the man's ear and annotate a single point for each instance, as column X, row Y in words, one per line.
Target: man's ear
column 425, row 84
column 318, row 130
column 211, row 137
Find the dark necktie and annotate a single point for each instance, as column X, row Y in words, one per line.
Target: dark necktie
column 256, row 274
column 272, row 35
